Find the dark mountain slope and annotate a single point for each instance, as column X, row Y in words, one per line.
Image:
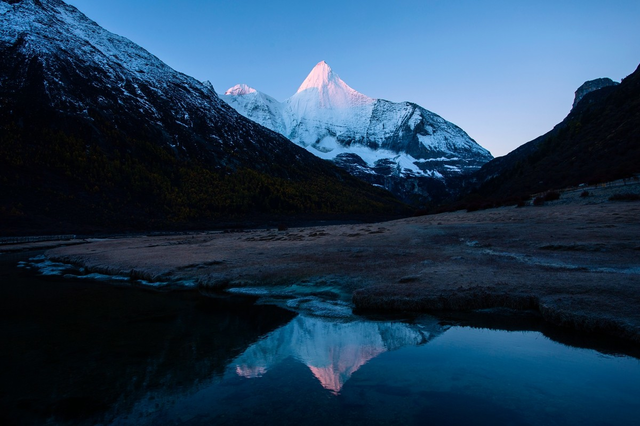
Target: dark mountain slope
column 96, row 133
column 598, row 141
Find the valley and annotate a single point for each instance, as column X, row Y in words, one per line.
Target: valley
column 172, row 254
column 573, row 261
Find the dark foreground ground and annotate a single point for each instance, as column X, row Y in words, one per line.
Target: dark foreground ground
column 576, row 261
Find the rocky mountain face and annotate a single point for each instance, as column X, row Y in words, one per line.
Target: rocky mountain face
column 96, row 130
column 598, row 141
column 402, row 147
column 591, row 86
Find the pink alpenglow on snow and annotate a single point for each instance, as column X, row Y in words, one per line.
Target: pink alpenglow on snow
column 239, row 90
column 330, row 90
column 381, row 142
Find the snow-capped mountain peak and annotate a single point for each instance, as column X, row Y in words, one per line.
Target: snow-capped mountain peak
column 400, row 146
column 81, row 70
column 331, row 91
column 240, row 89
column 321, row 75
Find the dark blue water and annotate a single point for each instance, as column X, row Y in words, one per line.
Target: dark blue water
column 77, row 352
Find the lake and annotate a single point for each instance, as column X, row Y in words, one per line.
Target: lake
column 84, row 352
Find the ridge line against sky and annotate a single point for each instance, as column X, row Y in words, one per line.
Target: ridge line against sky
column 504, row 71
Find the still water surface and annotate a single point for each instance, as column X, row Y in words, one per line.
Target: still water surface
column 79, row 352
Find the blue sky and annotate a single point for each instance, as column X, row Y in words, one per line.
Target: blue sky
column 505, row 71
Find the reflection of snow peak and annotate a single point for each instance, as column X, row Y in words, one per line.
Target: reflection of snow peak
column 333, row 351
column 324, row 88
column 345, row 363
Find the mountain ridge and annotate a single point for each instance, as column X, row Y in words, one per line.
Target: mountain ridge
column 400, row 146
column 98, row 133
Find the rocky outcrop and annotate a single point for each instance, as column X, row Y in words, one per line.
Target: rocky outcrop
column 597, row 142
column 591, row 86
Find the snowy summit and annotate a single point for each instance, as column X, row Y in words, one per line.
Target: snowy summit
column 239, row 90
column 329, row 89
column 400, row 146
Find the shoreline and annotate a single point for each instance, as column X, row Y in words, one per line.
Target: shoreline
column 576, row 264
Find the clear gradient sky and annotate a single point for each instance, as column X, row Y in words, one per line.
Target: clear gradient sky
column 503, row 70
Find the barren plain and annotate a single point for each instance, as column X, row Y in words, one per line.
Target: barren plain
column 575, row 260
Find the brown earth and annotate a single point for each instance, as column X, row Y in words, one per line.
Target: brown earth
column 577, row 263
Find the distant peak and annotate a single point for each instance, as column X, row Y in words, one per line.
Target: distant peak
column 333, row 92
column 320, row 76
column 239, row 90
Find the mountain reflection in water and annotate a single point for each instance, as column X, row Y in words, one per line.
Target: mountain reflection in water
column 79, row 352
column 83, row 353
column 333, row 351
